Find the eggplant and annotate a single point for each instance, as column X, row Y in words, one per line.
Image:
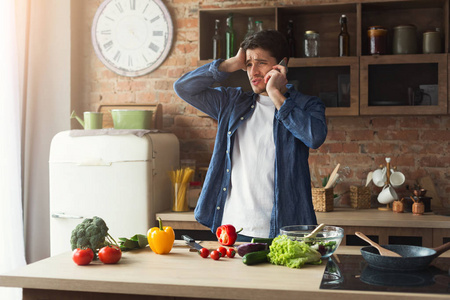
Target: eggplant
column 251, row 247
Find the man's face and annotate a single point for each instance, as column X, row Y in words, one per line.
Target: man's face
column 258, row 63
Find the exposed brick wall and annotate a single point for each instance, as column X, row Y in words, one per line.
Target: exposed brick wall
column 418, row 146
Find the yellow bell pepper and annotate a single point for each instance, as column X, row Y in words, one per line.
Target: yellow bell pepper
column 160, row 239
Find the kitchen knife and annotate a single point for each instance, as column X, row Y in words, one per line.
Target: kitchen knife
column 191, row 242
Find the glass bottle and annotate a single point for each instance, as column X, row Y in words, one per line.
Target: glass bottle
column 259, row 26
column 250, row 27
column 217, row 41
column 290, row 38
column 229, row 35
column 344, row 37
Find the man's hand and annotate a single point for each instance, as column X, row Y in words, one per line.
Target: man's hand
column 234, row 63
column 276, row 84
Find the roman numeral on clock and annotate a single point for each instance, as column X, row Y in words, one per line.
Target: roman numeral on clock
column 119, row 7
column 117, row 56
column 108, row 45
column 154, row 19
column 154, row 47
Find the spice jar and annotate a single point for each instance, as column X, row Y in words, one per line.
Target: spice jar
column 377, row 40
column 431, row 42
column 418, row 208
column 404, row 40
column 311, row 44
column 397, row 206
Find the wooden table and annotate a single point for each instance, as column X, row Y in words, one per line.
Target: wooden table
column 431, row 230
column 180, row 274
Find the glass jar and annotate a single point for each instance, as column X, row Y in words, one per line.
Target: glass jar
column 404, row 40
column 311, row 44
column 377, row 40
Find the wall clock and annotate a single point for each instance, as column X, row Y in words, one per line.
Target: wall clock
column 132, row 37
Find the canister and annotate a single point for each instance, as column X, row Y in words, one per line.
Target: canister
column 311, row 44
column 404, row 40
column 377, row 40
column 432, row 42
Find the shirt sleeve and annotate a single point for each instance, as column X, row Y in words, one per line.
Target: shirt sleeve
column 196, row 89
column 304, row 117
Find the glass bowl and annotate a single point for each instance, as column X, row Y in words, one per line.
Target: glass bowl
column 326, row 241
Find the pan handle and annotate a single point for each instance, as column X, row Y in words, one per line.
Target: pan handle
column 441, row 249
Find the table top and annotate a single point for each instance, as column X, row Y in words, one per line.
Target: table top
column 183, row 273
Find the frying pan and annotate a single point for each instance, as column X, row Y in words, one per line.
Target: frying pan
column 413, row 258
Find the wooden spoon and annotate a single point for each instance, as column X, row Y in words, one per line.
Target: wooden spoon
column 383, row 251
column 315, row 231
column 332, row 179
column 369, row 178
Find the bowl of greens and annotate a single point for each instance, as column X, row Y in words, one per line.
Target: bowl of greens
column 326, row 240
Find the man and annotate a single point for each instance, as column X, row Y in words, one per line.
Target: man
column 258, row 178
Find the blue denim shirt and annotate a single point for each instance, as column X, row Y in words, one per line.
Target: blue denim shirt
column 298, row 125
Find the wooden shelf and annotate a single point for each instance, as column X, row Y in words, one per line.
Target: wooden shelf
column 321, row 76
column 386, row 79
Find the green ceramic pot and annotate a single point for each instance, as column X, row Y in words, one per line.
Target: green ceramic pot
column 132, row 119
column 405, row 40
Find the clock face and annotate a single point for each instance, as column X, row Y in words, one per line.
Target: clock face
column 132, row 37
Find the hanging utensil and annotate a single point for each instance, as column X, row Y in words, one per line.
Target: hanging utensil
column 383, row 251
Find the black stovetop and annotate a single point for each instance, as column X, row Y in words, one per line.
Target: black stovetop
column 351, row 272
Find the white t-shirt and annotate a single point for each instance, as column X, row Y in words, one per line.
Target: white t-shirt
column 250, row 199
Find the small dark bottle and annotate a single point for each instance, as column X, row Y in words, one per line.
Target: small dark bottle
column 229, row 36
column 217, row 42
column 344, row 37
column 290, row 38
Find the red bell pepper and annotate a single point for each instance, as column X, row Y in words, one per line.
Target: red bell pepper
column 227, row 235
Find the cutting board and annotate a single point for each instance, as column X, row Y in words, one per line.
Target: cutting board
column 427, row 183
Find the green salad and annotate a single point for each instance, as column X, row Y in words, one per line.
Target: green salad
column 293, row 254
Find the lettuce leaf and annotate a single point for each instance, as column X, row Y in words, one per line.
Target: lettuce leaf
column 293, row 254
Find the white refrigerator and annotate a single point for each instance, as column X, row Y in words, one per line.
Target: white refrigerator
column 121, row 178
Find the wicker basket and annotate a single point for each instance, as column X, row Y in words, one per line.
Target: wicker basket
column 360, row 196
column 322, row 199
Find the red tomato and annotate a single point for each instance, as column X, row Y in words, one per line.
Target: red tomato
column 231, row 252
column 110, row 254
column 204, row 252
column 215, row 255
column 223, row 251
column 82, row 256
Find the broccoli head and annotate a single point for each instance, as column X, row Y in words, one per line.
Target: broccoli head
column 91, row 233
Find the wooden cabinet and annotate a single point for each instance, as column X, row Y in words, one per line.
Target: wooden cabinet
column 404, row 84
column 361, row 84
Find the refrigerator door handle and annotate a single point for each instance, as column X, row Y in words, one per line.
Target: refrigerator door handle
column 64, row 216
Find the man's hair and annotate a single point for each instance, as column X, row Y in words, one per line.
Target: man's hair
column 270, row 40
